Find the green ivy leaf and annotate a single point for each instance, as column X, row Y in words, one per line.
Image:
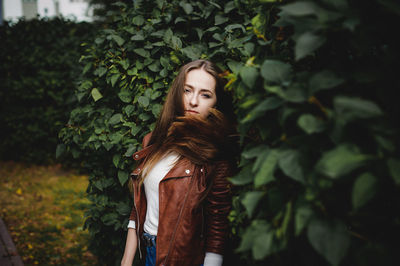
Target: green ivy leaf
column 290, row 165
column 266, row 172
column 301, row 8
column 116, row 160
column 310, row 124
column 138, row 20
column 276, row 71
column 249, row 76
column 115, row 119
column 142, row 52
column 306, row 44
column 256, row 228
column 349, row 108
column 324, row 80
column 61, row 148
column 188, row 8
column 118, row 39
column 250, row 201
column 268, row 104
column 364, row 190
column 123, row 177
column 125, row 96
column 244, row 177
column 144, row 101
column 96, row 94
column 341, row 160
column 219, row 19
column 114, row 79
column 329, row 238
column 302, row 217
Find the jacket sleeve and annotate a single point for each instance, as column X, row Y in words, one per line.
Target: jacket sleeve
column 218, row 206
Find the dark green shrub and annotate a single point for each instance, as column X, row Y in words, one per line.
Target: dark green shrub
column 313, row 95
column 38, row 72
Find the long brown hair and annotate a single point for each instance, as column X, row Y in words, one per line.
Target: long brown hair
column 173, row 108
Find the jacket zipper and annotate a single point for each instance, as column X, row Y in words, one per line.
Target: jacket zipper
column 138, row 222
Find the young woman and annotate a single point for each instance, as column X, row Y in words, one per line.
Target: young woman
column 180, row 187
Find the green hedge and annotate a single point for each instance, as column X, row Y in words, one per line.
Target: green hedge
column 313, row 85
column 38, row 72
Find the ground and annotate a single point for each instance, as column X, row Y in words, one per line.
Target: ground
column 43, row 208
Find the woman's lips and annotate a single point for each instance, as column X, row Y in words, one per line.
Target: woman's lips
column 191, row 111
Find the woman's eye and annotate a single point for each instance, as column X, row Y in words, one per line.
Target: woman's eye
column 206, row 96
column 186, row 90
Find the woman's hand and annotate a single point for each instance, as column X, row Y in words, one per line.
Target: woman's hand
column 130, row 248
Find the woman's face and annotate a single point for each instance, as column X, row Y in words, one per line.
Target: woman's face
column 199, row 92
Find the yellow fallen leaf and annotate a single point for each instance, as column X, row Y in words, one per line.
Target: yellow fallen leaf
column 30, row 246
column 19, row 191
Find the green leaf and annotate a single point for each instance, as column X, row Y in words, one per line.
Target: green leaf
column 96, row 94
column 324, row 80
column 290, row 165
column 364, row 190
column 244, row 177
column 115, row 119
column 61, row 148
column 329, row 238
column 100, row 71
column 155, row 67
column 249, row 76
column 156, row 109
column 116, row 160
column 276, row 71
column 191, row 52
column 254, row 152
column 123, row 177
column 268, row 104
column 142, row 52
column 263, row 244
column 250, row 201
column 125, row 96
column 256, row 228
column 302, row 217
column 130, row 151
column 394, row 169
column 266, row 172
column 123, row 208
column 144, row 101
column 186, row 7
column 306, row 44
column 138, row 20
column 176, row 43
column 219, row 19
column 348, row 108
column 341, row 160
column 114, row 79
column 118, row 39
column 310, row 124
column 300, row 8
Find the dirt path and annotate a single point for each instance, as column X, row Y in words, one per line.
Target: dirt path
column 43, row 208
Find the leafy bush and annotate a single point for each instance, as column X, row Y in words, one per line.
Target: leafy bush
column 317, row 122
column 38, row 71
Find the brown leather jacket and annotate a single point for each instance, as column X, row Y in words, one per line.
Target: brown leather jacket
column 194, row 202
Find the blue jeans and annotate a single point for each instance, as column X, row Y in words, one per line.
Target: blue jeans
column 151, row 251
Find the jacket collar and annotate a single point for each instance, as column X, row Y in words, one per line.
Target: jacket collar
column 183, row 168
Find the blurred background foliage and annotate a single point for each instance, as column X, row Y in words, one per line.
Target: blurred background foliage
column 38, row 72
column 314, row 87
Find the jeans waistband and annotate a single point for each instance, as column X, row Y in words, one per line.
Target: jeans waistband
column 149, row 240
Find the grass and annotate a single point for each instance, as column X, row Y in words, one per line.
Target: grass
column 43, row 207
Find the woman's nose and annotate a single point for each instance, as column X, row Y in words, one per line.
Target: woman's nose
column 193, row 100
